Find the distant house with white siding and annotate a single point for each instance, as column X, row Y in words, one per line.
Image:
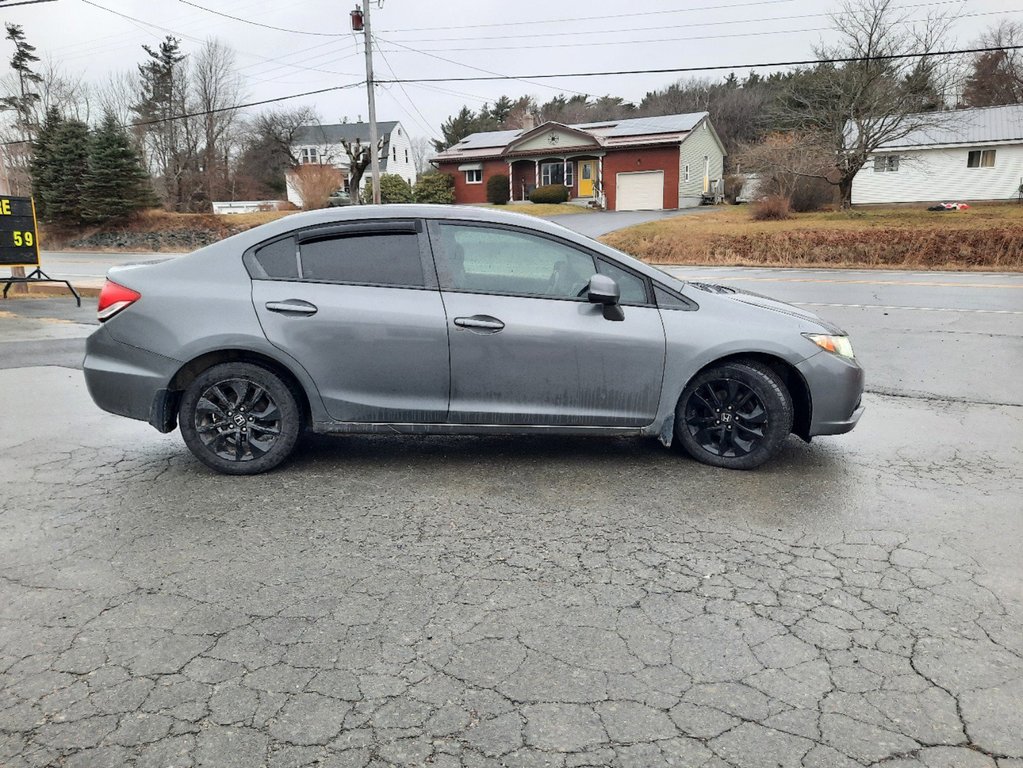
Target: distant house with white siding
column 967, row 155
column 322, row 145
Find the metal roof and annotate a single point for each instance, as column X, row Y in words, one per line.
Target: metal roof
column 642, row 126
column 639, row 126
column 967, row 126
column 332, row 134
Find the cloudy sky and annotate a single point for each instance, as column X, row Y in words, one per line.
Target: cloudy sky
column 456, row 38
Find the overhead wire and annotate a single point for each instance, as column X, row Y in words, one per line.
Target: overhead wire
column 710, row 68
column 424, row 122
column 621, row 30
column 259, row 24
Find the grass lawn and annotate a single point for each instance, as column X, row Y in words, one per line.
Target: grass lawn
column 985, row 237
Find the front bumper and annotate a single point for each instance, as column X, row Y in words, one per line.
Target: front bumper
column 836, row 392
column 123, row 379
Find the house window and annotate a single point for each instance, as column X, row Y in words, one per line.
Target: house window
column 309, row 155
column 981, row 158
column 406, row 155
column 474, row 176
column 557, row 173
column 886, row 164
column 685, row 172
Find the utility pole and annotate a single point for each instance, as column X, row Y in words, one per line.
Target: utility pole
column 363, row 14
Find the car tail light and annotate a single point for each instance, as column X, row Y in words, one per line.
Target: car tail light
column 113, row 298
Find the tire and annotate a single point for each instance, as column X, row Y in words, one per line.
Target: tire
column 239, row 418
column 735, row 415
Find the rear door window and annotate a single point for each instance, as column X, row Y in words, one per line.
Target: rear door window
column 378, row 258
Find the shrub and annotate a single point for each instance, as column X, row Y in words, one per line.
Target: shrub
column 393, row 189
column 438, row 188
column 733, row 187
column 772, row 208
column 315, row 183
column 552, row 193
column 497, row 189
column 810, row 194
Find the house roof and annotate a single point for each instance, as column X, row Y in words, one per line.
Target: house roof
column 332, row 134
column 609, row 133
column 984, row 125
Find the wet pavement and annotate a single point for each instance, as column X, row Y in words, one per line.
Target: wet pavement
column 448, row 601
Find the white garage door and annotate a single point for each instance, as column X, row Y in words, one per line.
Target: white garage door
column 642, row 191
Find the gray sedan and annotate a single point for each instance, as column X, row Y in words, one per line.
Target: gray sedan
column 455, row 320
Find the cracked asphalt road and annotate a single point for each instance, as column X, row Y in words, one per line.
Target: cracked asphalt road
column 407, row 601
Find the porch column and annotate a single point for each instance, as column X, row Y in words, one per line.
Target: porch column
column 600, row 179
column 536, row 165
column 511, row 182
column 564, row 175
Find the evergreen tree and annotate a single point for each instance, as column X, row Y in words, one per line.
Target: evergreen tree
column 43, row 169
column 23, row 102
column 116, row 183
column 70, row 162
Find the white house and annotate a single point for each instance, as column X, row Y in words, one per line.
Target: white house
column 321, row 145
column 966, row 155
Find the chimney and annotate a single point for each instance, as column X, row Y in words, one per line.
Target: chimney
column 528, row 123
column 344, row 119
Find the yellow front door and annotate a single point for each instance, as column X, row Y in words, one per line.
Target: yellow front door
column 587, row 172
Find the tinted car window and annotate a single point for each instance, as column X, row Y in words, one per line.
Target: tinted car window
column 277, row 260
column 505, row 261
column 390, row 258
column 633, row 288
column 669, row 300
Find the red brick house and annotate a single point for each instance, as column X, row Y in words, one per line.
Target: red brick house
column 647, row 163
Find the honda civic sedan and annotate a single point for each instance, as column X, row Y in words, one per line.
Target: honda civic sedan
column 455, row 320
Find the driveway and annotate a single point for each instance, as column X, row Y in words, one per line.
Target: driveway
column 601, row 222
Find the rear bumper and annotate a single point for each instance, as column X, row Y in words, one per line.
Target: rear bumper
column 836, row 391
column 125, row 380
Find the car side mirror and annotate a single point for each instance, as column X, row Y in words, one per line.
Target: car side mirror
column 605, row 291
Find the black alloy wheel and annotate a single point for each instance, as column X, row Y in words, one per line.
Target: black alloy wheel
column 239, row 418
column 734, row 416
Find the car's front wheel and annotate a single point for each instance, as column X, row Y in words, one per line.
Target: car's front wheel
column 735, row 415
column 239, row 418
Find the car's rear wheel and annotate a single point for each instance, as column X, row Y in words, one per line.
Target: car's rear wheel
column 735, row 415
column 239, row 418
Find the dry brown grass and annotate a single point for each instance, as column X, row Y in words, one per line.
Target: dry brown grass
column 986, row 237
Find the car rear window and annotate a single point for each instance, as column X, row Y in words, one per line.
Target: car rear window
column 386, row 258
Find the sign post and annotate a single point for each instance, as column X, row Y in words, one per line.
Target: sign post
column 19, row 244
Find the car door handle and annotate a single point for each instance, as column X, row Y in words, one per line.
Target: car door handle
column 292, row 306
column 480, row 323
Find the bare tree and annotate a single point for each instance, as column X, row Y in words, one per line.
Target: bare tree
column 216, row 86
column 792, row 166
column 422, row 149
column 858, row 108
column 118, row 94
column 359, row 159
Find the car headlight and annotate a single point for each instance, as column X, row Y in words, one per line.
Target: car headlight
column 837, row 345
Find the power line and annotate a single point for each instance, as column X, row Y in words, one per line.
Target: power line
column 576, row 33
column 204, row 112
column 424, row 123
column 259, row 24
column 591, row 18
column 493, row 75
column 24, row 2
column 593, row 44
column 262, row 59
column 710, row 68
